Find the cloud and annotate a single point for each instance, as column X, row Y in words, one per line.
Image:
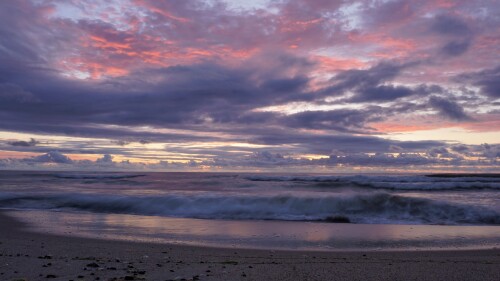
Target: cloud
column 342, row 120
column 456, row 31
column 439, row 152
column 50, row 157
column 10, row 92
column 105, row 159
column 448, row 109
column 449, row 25
column 488, row 80
column 32, row 142
column 456, row 47
column 487, row 154
column 381, row 159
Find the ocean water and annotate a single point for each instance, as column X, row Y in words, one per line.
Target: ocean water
column 261, row 210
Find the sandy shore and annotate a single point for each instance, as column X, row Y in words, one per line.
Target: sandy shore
column 26, row 255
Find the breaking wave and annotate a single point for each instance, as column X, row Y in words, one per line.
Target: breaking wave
column 392, row 182
column 377, row 207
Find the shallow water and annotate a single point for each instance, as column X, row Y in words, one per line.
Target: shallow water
column 255, row 234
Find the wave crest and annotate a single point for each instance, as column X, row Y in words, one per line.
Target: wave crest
column 377, row 207
column 391, row 182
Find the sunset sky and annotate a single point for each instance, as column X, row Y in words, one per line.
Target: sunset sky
column 289, row 85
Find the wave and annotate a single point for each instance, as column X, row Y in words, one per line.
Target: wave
column 377, row 207
column 392, row 182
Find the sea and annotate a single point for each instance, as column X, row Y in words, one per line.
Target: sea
column 262, row 210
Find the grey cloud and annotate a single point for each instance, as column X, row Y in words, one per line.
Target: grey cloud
column 439, row 151
column 449, row 25
column 488, row 80
column 381, row 13
column 460, row 148
column 13, row 92
column 325, row 143
column 382, row 93
column 32, row 142
column 106, row 158
column 457, row 33
column 371, row 85
column 395, row 148
column 121, row 142
column 270, row 159
column 50, row 157
column 375, row 75
column 448, row 109
column 343, row 120
column 381, row 159
column 456, row 47
column 286, row 84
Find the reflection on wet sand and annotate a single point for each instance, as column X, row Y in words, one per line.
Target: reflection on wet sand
column 261, row 234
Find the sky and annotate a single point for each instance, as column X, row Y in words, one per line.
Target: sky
column 285, row 85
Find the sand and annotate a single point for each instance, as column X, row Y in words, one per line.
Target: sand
column 26, row 255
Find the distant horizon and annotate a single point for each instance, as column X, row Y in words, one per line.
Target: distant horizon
column 255, row 86
column 443, row 174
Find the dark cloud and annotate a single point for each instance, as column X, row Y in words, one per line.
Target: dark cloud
column 371, row 85
column 105, row 159
column 456, row 47
column 439, row 152
column 14, row 93
column 360, row 79
column 449, row 25
column 382, row 93
column 32, row 142
column 448, row 109
column 460, row 148
column 457, row 32
column 488, row 80
column 381, row 159
column 343, row 120
column 121, row 142
column 323, row 144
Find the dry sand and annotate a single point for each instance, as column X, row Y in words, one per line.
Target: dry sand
column 27, row 255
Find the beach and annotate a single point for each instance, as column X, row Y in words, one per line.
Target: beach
column 28, row 255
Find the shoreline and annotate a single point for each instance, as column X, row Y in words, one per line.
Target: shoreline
column 259, row 234
column 27, row 255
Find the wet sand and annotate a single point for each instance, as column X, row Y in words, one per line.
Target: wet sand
column 26, row 255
